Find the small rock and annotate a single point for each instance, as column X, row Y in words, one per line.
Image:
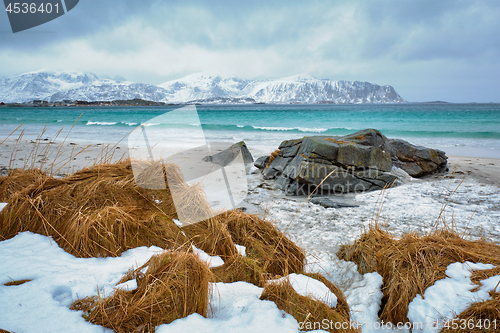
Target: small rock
column 330, row 203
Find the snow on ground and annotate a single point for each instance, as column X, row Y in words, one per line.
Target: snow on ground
column 306, row 286
column 450, row 296
column 235, row 308
column 58, row 278
column 414, row 206
column 471, row 207
column 212, row 261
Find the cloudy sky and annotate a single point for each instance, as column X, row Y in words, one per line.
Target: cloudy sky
column 427, row 50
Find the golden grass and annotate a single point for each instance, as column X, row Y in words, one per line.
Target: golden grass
column 17, row 282
column 483, row 274
column 174, row 286
column 239, row 268
column 308, row 312
column 413, row 263
column 274, row 154
column 17, row 180
column 273, row 251
column 342, row 306
column 98, row 211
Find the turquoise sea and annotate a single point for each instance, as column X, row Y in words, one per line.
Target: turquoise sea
column 458, row 129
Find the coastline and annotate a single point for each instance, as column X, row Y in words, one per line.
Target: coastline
column 71, row 156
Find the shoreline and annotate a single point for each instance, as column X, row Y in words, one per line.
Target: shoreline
column 71, row 156
column 483, row 170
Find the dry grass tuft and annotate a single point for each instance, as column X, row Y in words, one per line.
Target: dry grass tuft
column 98, row 211
column 212, row 237
column 174, row 286
column 342, row 306
column 239, row 268
column 17, row 282
column 17, row 180
column 274, row 154
column 483, row 274
column 272, row 250
column 484, row 315
column 413, row 263
column 308, row 312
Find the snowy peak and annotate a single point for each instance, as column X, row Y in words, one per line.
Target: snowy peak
column 200, row 87
column 301, row 88
column 59, row 86
column 299, row 78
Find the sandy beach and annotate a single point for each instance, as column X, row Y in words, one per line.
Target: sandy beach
column 68, row 157
column 483, row 170
column 57, row 157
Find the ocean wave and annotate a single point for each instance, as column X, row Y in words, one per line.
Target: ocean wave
column 402, row 133
column 443, row 134
column 285, row 129
column 129, row 123
column 250, row 128
column 101, row 123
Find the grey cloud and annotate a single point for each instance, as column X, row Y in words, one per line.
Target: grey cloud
column 384, row 41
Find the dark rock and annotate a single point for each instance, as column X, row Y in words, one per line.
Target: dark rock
column 261, row 162
column 330, row 203
column 289, row 143
column 322, row 147
column 276, row 167
column 417, row 161
column 367, row 137
column 227, row 155
column 270, row 173
column 289, row 151
column 359, row 156
column 361, row 161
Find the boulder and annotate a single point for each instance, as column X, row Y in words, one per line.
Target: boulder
column 227, row 155
column 357, row 162
column 330, row 203
column 417, row 161
column 261, row 162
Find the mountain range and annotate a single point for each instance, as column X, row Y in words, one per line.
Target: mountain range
column 195, row 88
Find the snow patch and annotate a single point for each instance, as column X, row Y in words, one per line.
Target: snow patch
column 212, row 261
column 309, row 287
column 450, row 296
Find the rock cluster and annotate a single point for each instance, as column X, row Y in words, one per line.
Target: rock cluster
column 357, row 162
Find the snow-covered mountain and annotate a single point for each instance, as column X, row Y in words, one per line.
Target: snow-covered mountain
column 293, row 89
column 204, row 88
column 59, row 86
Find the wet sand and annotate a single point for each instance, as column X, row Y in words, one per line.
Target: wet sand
column 483, row 170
